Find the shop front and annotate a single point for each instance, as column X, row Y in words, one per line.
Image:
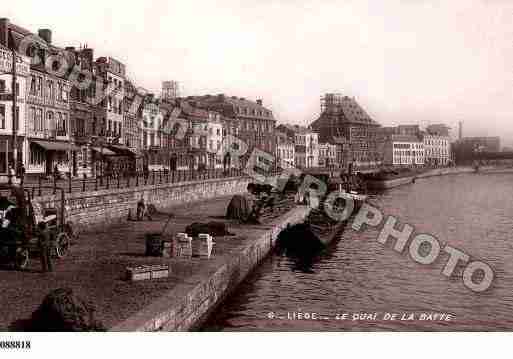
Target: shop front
column 6, row 154
column 50, row 156
column 100, row 157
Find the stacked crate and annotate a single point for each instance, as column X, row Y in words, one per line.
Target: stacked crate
column 183, row 245
column 146, row 272
column 205, row 242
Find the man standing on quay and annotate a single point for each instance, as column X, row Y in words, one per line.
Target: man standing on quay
column 45, row 248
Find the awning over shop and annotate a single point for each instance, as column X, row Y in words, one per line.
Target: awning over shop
column 56, row 146
column 122, row 150
column 104, row 151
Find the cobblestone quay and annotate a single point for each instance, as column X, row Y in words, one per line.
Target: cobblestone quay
column 95, row 270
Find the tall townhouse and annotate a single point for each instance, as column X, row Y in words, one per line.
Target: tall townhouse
column 151, row 133
column 113, row 73
column 82, row 110
column 204, row 136
column 6, row 108
column 47, row 133
column 214, row 133
column 285, row 151
column 306, row 145
column 111, row 153
column 255, row 124
column 132, row 117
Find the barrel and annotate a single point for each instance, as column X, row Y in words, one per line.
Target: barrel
column 154, row 244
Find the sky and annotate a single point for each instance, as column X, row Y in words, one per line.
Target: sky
column 405, row 61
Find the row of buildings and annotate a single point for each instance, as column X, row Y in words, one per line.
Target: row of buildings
column 344, row 133
column 83, row 115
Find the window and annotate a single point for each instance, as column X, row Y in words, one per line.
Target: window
column 2, row 86
column 2, row 116
column 60, row 92
column 40, row 119
column 40, row 86
column 17, row 123
column 50, row 90
column 37, row 157
column 33, row 86
column 94, row 126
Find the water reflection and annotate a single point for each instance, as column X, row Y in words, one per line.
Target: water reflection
column 473, row 212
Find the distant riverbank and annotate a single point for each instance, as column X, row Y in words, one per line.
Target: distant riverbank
column 391, row 179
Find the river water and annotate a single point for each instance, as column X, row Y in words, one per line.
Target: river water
column 358, row 275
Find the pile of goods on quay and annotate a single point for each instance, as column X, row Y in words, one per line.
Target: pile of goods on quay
column 261, row 204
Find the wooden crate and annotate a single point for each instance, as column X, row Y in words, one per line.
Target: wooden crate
column 147, row 272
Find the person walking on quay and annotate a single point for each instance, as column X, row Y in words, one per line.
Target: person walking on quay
column 21, row 173
column 45, row 248
column 142, row 211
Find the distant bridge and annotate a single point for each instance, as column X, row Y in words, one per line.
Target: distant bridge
column 492, row 155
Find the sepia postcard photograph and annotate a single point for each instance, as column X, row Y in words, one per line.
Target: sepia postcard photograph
column 254, row 166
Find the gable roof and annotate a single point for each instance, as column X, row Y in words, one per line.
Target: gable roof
column 229, row 106
column 348, row 111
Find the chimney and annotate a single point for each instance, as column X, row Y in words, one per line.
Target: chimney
column 4, row 32
column 460, row 130
column 259, row 102
column 46, row 34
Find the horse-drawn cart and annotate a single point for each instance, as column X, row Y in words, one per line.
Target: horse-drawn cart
column 22, row 222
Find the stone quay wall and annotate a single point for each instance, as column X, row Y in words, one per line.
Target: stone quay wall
column 186, row 306
column 91, row 210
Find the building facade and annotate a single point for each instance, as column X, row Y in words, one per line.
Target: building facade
column 132, row 117
column 327, row 155
column 306, row 145
column 285, row 150
column 254, row 123
column 48, row 133
column 7, row 105
column 437, row 149
column 113, row 74
column 342, row 117
column 403, row 150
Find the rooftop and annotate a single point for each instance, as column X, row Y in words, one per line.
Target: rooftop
column 294, row 128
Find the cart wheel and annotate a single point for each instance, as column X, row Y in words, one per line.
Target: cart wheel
column 22, row 258
column 72, row 231
column 61, row 245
